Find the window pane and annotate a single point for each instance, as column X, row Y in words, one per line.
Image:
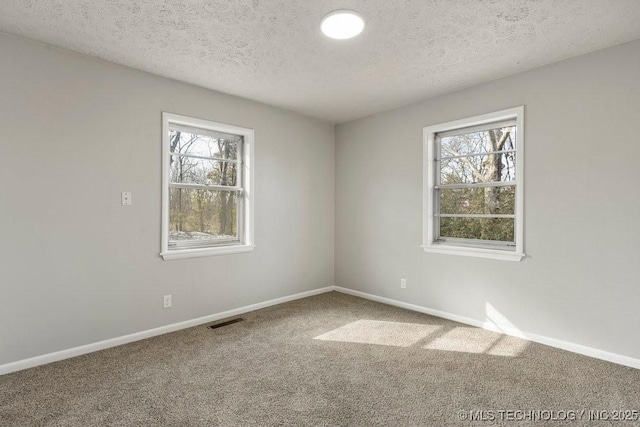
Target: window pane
column 189, row 170
column 202, row 145
column 202, row 216
column 500, row 229
column 498, row 139
column 485, row 168
column 491, row 200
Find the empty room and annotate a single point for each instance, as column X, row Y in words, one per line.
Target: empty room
column 319, row 213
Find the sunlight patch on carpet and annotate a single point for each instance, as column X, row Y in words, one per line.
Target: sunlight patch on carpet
column 479, row 341
column 378, row 332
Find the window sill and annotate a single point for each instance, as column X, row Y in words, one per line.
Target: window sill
column 204, row 252
column 474, row 252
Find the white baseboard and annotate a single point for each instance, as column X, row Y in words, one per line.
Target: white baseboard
column 113, row 342
column 507, row 330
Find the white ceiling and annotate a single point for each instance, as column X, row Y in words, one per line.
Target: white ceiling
column 272, row 50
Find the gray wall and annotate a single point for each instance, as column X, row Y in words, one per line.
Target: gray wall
column 581, row 279
column 76, row 267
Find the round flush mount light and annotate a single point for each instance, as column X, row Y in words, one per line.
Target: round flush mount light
column 342, row 24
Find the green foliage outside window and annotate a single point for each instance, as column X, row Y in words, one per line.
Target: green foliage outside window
column 478, row 158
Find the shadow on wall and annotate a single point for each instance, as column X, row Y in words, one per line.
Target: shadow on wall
column 447, row 337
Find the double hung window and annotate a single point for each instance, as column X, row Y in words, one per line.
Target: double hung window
column 474, row 186
column 206, row 188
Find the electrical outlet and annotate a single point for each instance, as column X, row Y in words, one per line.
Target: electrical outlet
column 403, row 283
column 167, row 301
column 126, row 199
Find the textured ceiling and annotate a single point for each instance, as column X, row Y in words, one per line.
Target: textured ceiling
column 272, row 50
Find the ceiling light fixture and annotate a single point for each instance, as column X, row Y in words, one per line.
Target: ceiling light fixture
column 342, row 24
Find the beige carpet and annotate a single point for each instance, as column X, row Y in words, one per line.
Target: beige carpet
column 328, row 360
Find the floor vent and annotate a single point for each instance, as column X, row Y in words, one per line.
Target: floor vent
column 228, row 322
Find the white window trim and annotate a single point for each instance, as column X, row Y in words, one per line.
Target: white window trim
column 428, row 226
column 247, row 173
